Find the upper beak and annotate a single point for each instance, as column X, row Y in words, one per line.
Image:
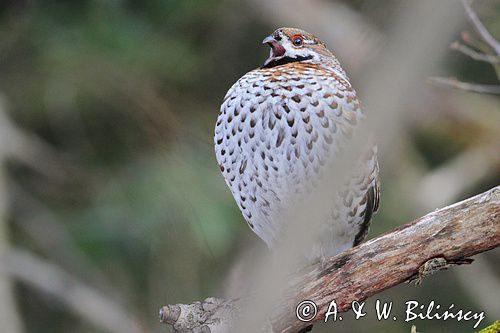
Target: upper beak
column 269, row 39
column 277, row 50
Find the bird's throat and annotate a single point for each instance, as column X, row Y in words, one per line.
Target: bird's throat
column 286, row 60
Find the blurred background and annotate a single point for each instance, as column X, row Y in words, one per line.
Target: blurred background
column 111, row 201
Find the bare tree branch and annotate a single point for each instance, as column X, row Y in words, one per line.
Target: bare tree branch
column 19, row 145
column 479, row 56
column 435, row 241
column 83, row 300
column 9, row 315
column 472, row 87
column 481, row 29
column 440, row 186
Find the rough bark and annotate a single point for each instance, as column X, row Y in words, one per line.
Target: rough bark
column 442, row 238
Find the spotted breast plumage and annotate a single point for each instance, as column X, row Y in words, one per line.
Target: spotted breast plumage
column 279, row 127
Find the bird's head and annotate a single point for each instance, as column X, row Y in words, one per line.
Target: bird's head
column 293, row 45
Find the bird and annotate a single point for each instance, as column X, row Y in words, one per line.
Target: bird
column 280, row 127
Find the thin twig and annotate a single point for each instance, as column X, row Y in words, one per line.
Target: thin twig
column 466, row 86
column 479, row 56
column 481, row 29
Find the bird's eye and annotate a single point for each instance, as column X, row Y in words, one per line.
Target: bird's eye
column 297, row 40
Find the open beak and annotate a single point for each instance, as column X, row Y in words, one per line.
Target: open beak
column 277, row 50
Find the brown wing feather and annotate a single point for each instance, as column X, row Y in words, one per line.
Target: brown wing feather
column 372, row 198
